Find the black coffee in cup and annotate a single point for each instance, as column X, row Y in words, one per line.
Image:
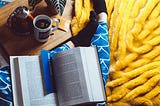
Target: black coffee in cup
column 43, row 27
column 42, row 23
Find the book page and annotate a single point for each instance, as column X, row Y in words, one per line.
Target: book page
column 93, row 74
column 70, row 80
column 15, row 78
column 32, row 84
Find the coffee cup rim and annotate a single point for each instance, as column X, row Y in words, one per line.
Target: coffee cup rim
column 42, row 15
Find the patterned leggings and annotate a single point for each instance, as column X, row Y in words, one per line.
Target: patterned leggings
column 100, row 39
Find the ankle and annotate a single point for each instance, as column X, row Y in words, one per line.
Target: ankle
column 102, row 17
column 70, row 44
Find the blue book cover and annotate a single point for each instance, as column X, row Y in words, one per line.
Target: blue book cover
column 47, row 71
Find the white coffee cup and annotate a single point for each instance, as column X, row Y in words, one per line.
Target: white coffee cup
column 43, row 27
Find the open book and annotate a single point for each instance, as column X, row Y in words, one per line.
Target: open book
column 72, row 78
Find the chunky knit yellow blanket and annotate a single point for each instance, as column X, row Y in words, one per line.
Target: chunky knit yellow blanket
column 134, row 36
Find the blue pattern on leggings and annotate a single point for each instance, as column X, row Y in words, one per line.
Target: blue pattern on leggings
column 100, row 39
column 5, row 87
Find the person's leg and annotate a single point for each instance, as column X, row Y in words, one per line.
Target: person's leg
column 5, row 87
column 100, row 39
column 83, row 38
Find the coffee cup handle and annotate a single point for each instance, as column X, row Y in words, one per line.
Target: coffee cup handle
column 56, row 21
